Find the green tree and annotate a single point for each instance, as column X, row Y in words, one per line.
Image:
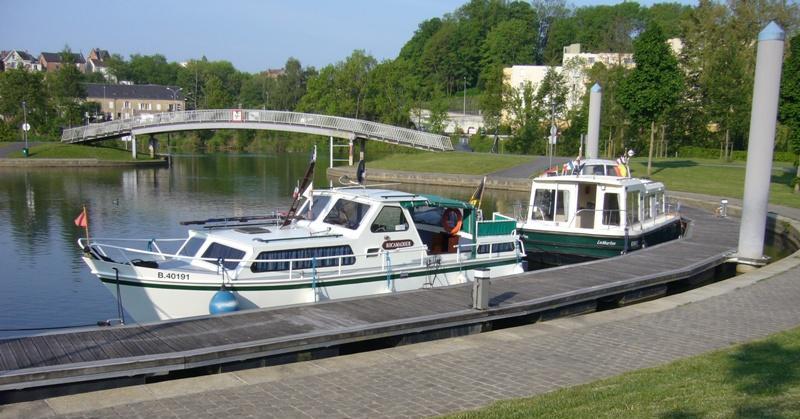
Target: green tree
column 216, row 96
column 340, row 89
column 655, row 85
column 790, row 101
column 66, row 90
column 17, row 86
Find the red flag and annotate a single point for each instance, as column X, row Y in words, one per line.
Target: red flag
column 82, row 220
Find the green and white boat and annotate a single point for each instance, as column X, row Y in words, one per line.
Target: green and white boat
column 592, row 210
column 340, row 243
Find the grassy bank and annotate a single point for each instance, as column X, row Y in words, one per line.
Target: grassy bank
column 759, row 379
column 707, row 176
column 72, row 151
column 453, row 162
column 714, row 177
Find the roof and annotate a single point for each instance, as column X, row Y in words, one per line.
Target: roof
column 24, row 55
column 133, row 91
column 55, row 57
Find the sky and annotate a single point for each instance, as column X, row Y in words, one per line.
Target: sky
column 253, row 35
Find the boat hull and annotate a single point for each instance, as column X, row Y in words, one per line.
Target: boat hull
column 556, row 248
column 149, row 301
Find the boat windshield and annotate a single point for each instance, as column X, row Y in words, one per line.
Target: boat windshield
column 346, row 213
column 191, row 246
column 312, row 208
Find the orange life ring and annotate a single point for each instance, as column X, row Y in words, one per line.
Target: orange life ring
column 451, row 229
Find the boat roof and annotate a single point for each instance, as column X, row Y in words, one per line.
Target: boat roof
column 599, row 180
column 406, row 199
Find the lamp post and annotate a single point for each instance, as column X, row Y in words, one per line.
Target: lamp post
column 465, row 96
column 174, row 97
column 25, row 127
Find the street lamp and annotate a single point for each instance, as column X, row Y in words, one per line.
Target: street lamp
column 174, row 96
column 465, row 96
column 25, row 126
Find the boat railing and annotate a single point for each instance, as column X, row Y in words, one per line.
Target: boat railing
column 129, row 255
column 518, row 246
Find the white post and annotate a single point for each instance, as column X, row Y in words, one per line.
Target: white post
column 593, row 140
column 330, row 147
column 133, row 145
column 763, row 119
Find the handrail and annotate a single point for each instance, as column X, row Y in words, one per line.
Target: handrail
column 347, row 126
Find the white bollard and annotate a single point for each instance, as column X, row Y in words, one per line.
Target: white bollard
column 595, row 103
column 480, row 289
column 763, row 119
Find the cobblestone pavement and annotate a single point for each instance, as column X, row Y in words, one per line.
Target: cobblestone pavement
column 463, row 373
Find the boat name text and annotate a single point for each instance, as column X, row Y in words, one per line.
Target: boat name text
column 396, row 244
column 606, row 243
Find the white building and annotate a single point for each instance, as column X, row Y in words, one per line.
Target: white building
column 574, row 67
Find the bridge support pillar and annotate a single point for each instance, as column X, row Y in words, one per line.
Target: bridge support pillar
column 133, row 145
column 152, row 144
column 362, row 148
column 350, row 153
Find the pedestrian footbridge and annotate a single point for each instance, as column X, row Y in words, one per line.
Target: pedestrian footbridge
column 331, row 126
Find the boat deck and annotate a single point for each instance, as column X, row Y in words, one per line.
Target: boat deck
column 82, row 356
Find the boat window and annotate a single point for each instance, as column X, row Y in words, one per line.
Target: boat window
column 311, row 209
column 347, row 213
column 633, row 207
column 611, row 209
column 218, row 251
column 550, row 204
column 320, row 257
column 428, row 215
column 659, row 204
column 496, row 248
column 389, row 219
column 191, row 246
column 648, row 203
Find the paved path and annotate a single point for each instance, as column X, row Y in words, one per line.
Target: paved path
column 464, row 373
column 8, row 148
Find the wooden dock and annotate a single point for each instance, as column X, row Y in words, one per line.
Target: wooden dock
column 259, row 337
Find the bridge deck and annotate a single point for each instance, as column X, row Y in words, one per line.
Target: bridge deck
column 334, row 126
column 81, row 356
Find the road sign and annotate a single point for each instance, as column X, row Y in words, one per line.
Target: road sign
column 26, row 127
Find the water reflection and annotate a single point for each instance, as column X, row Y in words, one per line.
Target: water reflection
column 45, row 282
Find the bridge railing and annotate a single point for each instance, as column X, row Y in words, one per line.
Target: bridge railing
column 358, row 128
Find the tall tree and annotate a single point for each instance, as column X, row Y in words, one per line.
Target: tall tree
column 790, row 101
column 17, row 86
column 66, row 90
column 654, row 85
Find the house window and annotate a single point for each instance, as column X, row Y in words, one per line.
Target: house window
column 111, row 104
column 158, row 106
column 126, row 105
column 178, row 106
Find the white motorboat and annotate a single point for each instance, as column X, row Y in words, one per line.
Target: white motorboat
column 343, row 242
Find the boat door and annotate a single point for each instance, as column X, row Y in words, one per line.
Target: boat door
column 587, row 202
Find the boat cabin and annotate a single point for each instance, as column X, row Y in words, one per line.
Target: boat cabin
column 595, row 202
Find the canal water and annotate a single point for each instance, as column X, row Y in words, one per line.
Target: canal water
column 44, row 282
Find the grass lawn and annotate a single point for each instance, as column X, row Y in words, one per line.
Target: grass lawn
column 451, row 162
column 72, row 151
column 755, row 380
column 714, row 177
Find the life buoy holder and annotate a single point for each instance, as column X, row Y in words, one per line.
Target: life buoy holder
column 448, row 228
